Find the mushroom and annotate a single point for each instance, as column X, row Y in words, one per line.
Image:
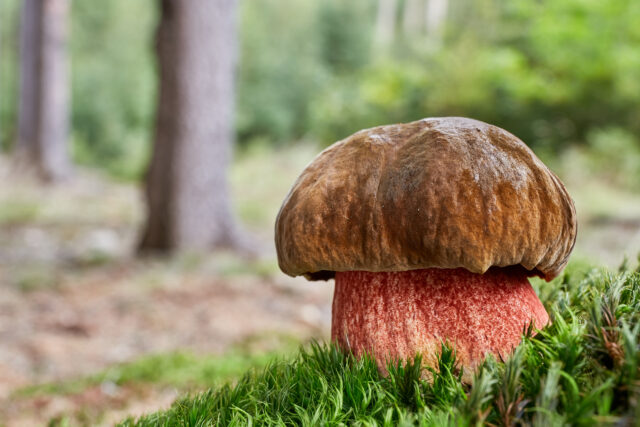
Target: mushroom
column 431, row 230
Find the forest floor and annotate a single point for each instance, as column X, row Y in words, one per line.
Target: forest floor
column 75, row 302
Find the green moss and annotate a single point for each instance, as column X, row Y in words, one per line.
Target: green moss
column 581, row 370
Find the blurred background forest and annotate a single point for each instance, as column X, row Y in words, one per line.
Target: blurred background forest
column 557, row 74
column 75, row 299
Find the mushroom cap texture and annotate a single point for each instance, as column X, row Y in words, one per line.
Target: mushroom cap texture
column 435, row 193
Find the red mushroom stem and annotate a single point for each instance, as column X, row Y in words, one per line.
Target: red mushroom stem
column 394, row 315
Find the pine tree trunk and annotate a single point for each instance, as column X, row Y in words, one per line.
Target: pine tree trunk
column 53, row 91
column 187, row 188
column 43, row 108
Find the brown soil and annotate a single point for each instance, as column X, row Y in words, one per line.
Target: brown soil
column 74, row 299
column 107, row 316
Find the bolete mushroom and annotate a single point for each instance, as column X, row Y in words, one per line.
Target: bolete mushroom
column 431, row 230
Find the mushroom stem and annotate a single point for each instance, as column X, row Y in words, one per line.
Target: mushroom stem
column 394, row 315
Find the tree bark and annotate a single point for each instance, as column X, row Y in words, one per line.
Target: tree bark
column 43, row 109
column 187, row 189
column 53, row 114
column 436, row 13
column 385, row 23
column 412, row 23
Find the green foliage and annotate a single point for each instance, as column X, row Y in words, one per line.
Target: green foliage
column 113, row 86
column 550, row 72
column 616, row 155
column 344, row 33
column 555, row 73
column 8, row 73
column 286, row 62
column 581, row 370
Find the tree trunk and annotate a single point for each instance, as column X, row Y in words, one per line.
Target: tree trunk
column 385, row 23
column 412, row 23
column 53, row 111
column 187, row 188
column 436, row 13
column 43, row 109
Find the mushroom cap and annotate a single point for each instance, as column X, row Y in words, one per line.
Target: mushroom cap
column 445, row 192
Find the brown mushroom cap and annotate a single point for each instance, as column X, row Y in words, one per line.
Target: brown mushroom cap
column 441, row 192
